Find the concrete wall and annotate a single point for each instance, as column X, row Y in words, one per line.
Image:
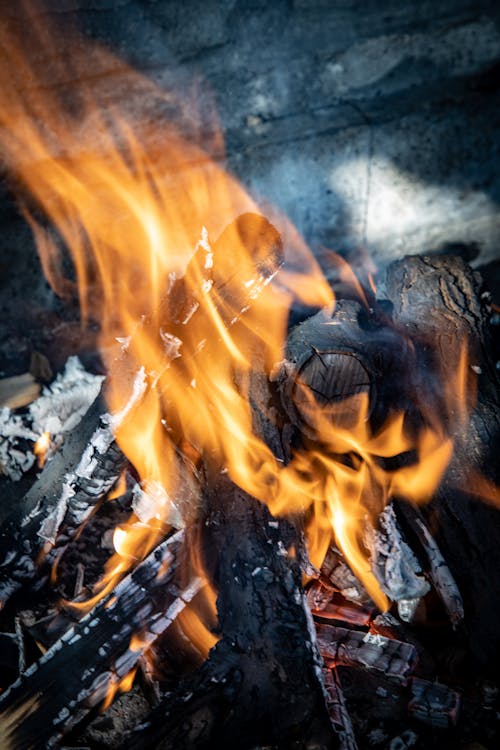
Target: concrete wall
column 367, row 122
column 370, row 124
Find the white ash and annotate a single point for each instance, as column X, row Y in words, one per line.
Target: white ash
column 346, row 582
column 124, row 342
column 53, row 520
column 99, row 444
column 64, row 402
column 206, row 286
column 407, row 609
column 58, row 410
column 14, row 460
column 393, row 562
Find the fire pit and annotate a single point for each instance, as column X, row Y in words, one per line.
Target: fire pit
column 260, row 508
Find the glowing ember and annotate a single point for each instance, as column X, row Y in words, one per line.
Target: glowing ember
column 41, row 448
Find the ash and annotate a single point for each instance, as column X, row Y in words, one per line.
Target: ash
column 57, row 411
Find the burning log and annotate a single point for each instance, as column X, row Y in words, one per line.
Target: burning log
column 232, row 700
column 70, row 485
column 439, row 302
column 95, row 655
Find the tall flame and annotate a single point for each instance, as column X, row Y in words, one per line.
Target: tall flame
column 149, row 220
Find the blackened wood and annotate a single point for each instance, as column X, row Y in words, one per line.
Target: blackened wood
column 440, row 302
column 341, row 354
column 434, row 704
column 337, row 709
column 75, row 673
column 261, row 682
column 59, row 501
column 436, row 567
column 355, row 648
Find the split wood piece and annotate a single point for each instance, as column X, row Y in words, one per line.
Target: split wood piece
column 438, row 570
column 261, row 682
column 434, row 704
column 60, row 500
column 75, row 674
column 345, row 613
column 440, row 302
column 390, row 627
column 321, row 603
column 233, row 282
column 225, row 273
column 354, row 648
column 337, row 709
column 19, row 390
column 337, row 574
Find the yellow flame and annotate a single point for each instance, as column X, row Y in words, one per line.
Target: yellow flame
column 151, row 221
column 41, row 448
column 118, row 686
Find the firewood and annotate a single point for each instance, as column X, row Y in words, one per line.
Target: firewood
column 434, row 704
column 337, row 709
column 354, row 648
column 77, row 671
column 260, row 682
column 63, row 496
column 440, row 302
column 18, row 391
column 321, row 602
column 438, row 570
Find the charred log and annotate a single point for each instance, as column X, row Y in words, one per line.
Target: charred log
column 79, row 669
column 439, row 302
column 260, row 683
column 60, row 500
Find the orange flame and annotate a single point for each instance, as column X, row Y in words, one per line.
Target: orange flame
column 41, row 448
column 123, row 685
column 148, row 219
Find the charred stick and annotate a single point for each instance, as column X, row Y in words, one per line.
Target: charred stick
column 336, row 573
column 95, row 654
column 438, row 571
column 337, row 709
column 434, row 704
column 353, row 648
column 322, row 603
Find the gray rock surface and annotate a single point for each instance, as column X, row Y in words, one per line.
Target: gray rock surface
column 370, row 124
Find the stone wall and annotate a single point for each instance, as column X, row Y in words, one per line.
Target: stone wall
column 371, row 124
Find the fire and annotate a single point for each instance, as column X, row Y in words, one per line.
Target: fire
column 41, row 448
column 116, row 685
column 188, row 285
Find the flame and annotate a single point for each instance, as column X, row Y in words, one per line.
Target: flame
column 123, row 685
column 120, row 487
column 184, row 268
column 41, row 448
